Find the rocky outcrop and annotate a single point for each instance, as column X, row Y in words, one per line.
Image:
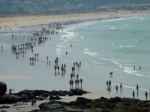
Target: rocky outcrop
column 102, row 104
column 54, row 98
column 77, row 92
column 28, row 95
column 9, row 99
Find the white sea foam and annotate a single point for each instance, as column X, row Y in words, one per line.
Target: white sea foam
column 131, row 87
column 103, row 59
column 121, row 46
column 113, row 28
column 86, row 49
column 127, row 46
column 68, row 35
column 127, row 67
column 111, row 20
column 90, row 53
column 98, row 63
column 112, row 44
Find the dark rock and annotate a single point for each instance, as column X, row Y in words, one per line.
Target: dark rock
column 78, row 92
column 42, row 105
column 115, row 99
column 54, row 98
column 80, row 102
column 9, row 99
column 102, row 99
column 70, row 94
column 36, row 110
column 3, row 88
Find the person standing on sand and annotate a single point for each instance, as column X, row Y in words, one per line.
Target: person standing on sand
column 133, row 94
column 117, row 89
column 10, row 91
column 107, row 82
column 146, row 94
column 139, row 67
column 121, row 88
column 137, row 87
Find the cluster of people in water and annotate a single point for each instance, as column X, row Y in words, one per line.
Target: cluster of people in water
column 57, row 67
column 72, row 80
column 137, row 90
column 108, row 83
column 37, row 38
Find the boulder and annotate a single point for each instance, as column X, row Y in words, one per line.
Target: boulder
column 3, row 88
column 80, row 102
column 78, row 92
column 115, row 99
column 54, row 98
column 9, row 99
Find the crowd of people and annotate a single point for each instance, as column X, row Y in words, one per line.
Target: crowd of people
column 108, row 83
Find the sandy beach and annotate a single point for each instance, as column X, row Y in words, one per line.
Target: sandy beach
column 8, row 23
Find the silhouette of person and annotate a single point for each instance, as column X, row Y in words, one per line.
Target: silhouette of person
column 133, row 94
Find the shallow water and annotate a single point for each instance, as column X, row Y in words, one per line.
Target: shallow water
column 105, row 46
column 113, row 45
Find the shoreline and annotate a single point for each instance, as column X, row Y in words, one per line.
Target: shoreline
column 6, row 23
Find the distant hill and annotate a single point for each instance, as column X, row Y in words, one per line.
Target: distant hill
column 23, row 7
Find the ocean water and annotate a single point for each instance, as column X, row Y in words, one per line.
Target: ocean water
column 102, row 46
column 115, row 45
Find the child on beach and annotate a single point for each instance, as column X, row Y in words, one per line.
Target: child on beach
column 33, row 102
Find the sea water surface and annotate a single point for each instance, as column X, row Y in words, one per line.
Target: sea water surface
column 103, row 46
column 113, row 45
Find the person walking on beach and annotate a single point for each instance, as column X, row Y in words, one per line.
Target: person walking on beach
column 133, row 94
column 134, row 67
column 139, row 67
column 10, row 91
column 146, row 94
column 137, row 88
column 121, row 88
column 107, row 82
column 117, row 89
